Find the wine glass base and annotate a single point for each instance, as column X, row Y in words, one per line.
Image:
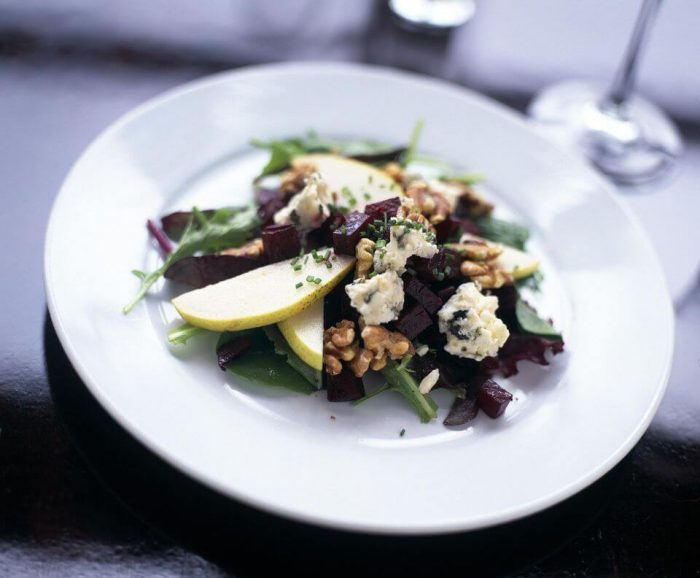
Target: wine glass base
column 633, row 142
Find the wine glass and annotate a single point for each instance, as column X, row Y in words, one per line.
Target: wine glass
column 625, row 136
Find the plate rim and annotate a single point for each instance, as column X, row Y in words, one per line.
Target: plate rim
column 377, row 528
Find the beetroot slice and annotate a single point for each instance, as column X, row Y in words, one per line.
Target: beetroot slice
column 444, row 265
column 344, row 386
column 379, row 209
column 420, row 292
column 493, row 399
column 209, row 269
column 413, row 320
column 447, row 230
column 280, row 242
column 347, row 236
column 232, row 350
column 463, row 410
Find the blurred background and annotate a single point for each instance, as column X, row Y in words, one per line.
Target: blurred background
column 68, row 68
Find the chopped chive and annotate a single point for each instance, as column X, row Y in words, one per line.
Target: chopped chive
column 410, row 271
column 372, row 274
column 402, row 432
column 329, row 265
column 367, row 196
column 448, row 270
column 310, row 278
column 434, row 272
column 343, row 229
column 298, row 267
column 381, row 243
column 298, row 285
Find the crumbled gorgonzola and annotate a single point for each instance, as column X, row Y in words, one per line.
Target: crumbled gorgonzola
column 404, row 241
column 378, row 299
column 309, row 207
column 469, row 321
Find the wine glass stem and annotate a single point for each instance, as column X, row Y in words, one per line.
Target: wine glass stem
column 624, row 80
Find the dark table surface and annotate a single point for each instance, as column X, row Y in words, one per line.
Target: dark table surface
column 80, row 497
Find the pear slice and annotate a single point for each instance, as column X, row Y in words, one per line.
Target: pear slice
column 262, row 296
column 304, row 334
column 516, row 263
column 353, row 184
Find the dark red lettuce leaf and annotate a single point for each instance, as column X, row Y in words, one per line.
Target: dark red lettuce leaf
column 521, row 347
column 208, row 269
column 344, row 386
column 493, row 399
column 232, row 349
column 380, row 157
column 280, row 242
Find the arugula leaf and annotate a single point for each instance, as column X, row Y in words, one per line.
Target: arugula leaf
column 401, row 380
column 412, row 147
column 223, row 230
column 183, row 333
column 530, row 322
column 313, row 376
column 260, row 365
column 506, row 232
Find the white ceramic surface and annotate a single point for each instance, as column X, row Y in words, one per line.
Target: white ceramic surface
column 569, row 424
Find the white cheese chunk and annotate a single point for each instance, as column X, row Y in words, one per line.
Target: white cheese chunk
column 404, row 242
column 379, row 299
column 309, row 207
column 469, row 321
column 429, row 381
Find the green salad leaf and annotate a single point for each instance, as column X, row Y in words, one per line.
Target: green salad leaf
column 261, row 365
column 226, row 228
column 313, row 376
column 399, row 379
column 183, row 333
column 412, row 148
column 500, row 231
column 530, row 322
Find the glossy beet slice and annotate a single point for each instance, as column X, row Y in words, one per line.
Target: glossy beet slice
column 344, row 386
column 447, row 230
column 493, row 399
column 420, row 292
column 413, row 320
column 463, row 410
column 232, row 350
column 387, row 206
column 446, row 292
column 280, row 242
column 347, row 236
column 444, row 265
column 209, row 269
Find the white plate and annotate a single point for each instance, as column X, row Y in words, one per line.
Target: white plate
column 570, row 423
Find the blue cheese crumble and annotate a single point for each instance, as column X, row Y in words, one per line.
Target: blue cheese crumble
column 469, row 321
column 309, row 207
column 405, row 241
column 378, row 299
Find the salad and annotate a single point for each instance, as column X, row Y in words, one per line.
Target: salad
column 359, row 259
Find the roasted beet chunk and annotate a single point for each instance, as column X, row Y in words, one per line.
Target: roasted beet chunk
column 280, row 242
column 463, row 410
column 445, row 293
column 388, row 206
column 493, row 399
column 413, row 321
column 232, row 350
column 270, row 201
column 344, row 386
column 444, row 265
column 210, row 269
column 453, row 227
column 420, row 292
column 347, row 236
